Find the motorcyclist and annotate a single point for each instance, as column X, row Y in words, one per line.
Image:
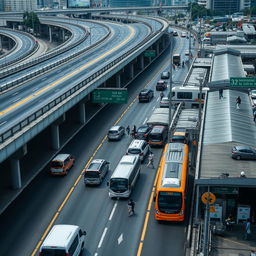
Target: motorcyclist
column 131, row 205
column 161, row 95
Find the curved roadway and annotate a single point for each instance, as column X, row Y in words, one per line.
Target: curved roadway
column 109, row 230
column 25, row 44
column 20, row 102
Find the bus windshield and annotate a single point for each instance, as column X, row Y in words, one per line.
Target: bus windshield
column 53, row 252
column 156, row 137
column 169, row 202
column 118, row 185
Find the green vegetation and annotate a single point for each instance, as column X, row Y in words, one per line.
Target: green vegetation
column 31, row 20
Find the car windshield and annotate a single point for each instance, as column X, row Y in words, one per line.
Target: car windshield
column 90, row 174
column 53, row 252
column 144, row 92
column 118, row 185
column 56, row 164
column 142, row 129
column 113, row 132
column 94, row 166
column 169, row 202
column 133, row 151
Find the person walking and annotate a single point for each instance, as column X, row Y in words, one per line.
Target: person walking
column 247, row 229
column 254, row 115
column 220, row 93
column 238, row 102
column 151, row 160
column 128, row 130
column 161, row 95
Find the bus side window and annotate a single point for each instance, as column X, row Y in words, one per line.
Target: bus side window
column 184, row 95
column 203, row 95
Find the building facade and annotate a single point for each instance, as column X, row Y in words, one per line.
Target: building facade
column 225, row 6
column 19, row 5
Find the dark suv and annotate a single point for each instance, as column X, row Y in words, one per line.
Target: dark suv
column 146, row 95
column 142, row 132
column 161, row 85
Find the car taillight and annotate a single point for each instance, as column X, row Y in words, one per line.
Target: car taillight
column 142, row 154
column 145, row 135
column 67, row 254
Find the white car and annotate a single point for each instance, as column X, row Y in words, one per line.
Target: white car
column 164, row 102
column 187, row 53
column 253, row 94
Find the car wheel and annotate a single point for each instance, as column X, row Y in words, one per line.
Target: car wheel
column 238, row 157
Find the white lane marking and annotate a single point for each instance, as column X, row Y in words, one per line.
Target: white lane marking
column 145, row 120
column 44, row 78
column 96, row 254
column 16, row 100
column 3, row 123
column 158, row 99
column 120, row 239
column 153, row 107
column 102, row 237
column 113, row 211
column 35, row 89
column 15, row 93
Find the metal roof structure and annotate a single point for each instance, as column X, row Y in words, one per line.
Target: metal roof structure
column 196, row 74
column 224, row 127
column 202, row 63
column 226, row 63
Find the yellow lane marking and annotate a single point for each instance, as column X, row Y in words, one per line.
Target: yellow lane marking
column 145, row 225
column 81, row 175
column 132, row 33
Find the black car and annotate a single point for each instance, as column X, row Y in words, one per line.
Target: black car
column 146, row 95
column 243, row 152
column 142, row 132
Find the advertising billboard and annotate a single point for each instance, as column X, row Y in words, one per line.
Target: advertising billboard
column 78, row 3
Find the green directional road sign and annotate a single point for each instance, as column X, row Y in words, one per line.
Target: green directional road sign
column 110, row 95
column 150, row 53
column 247, row 82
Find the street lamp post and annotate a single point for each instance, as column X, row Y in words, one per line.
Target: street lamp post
column 170, row 89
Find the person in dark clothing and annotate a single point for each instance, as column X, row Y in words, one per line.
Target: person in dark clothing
column 238, row 102
column 128, row 130
column 131, row 204
column 220, row 93
column 254, row 115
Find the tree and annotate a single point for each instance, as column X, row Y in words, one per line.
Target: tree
column 31, row 20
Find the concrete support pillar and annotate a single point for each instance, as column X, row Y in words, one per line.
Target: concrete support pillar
column 55, row 136
column 82, row 113
column 50, row 34
column 118, row 80
column 131, row 70
column 15, row 167
column 15, row 173
column 63, row 34
column 157, row 48
column 141, row 61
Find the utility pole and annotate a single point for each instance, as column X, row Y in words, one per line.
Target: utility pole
column 190, row 17
column 170, row 89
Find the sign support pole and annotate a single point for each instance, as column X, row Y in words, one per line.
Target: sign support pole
column 206, row 227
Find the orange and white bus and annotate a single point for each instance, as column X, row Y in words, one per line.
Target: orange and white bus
column 172, row 182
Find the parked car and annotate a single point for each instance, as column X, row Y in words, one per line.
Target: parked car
column 161, row 85
column 96, row 171
column 243, row 152
column 175, row 33
column 253, row 94
column 187, row 53
column 116, row 132
column 164, row 102
column 146, row 95
column 142, row 132
column 165, row 75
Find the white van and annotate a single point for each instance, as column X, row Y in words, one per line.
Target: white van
column 190, row 95
column 63, row 240
column 138, row 147
column 124, row 177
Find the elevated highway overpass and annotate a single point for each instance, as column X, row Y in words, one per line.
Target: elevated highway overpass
column 48, row 102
